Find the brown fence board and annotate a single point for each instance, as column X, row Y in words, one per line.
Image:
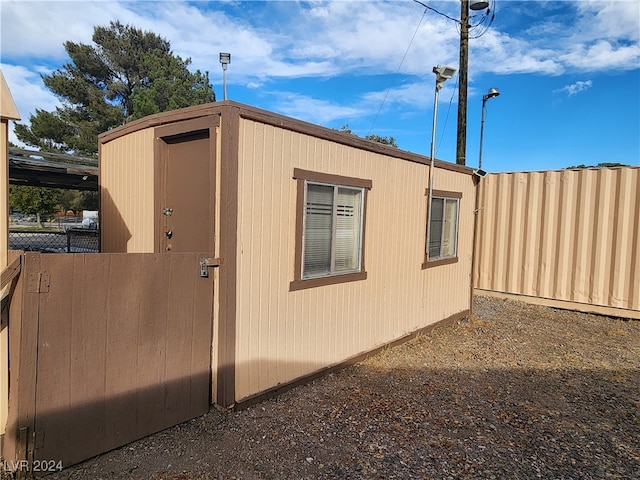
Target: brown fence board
column 116, row 359
column 88, row 330
column 178, row 340
column 152, row 329
column 55, row 354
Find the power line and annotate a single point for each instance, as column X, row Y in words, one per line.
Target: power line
column 397, row 70
column 439, row 13
column 444, row 128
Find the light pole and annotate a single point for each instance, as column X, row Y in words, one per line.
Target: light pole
column 225, row 59
column 442, row 75
column 493, row 92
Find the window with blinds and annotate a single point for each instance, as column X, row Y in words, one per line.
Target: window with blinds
column 443, row 228
column 330, row 229
column 332, row 238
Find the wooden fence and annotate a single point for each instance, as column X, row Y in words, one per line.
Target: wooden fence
column 104, row 349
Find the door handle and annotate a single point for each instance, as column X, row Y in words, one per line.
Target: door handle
column 169, row 233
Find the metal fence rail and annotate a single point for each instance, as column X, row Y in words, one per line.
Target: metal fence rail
column 73, row 240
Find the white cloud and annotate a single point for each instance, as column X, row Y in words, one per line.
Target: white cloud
column 416, row 94
column 575, row 88
column 40, row 29
column 312, row 110
column 602, row 55
column 619, row 19
column 28, row 92
column 295, row 40
column 580, row 36
column 288, row 40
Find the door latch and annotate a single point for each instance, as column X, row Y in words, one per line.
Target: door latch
column 169, row 233
column 205, row 263
column 167, row 211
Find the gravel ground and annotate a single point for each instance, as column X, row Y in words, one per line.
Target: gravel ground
column 515, row 392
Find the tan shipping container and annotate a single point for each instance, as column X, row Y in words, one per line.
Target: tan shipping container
column 566, row 238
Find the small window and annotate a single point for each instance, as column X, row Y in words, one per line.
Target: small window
column 442, row 243
column 329, row 230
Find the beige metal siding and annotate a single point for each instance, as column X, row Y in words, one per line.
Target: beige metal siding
column 8, row 111
column 4, row 196
column 281, row 334
column 4, row 247
column 127, row 193
column 566, row 236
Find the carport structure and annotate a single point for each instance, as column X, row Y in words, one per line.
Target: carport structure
column 52, row 170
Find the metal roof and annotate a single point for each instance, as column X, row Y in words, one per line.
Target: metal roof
column 52, row 170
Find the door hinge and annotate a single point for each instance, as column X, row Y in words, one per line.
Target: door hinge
column 38, row 282
column 38, row 440
column 206, row 263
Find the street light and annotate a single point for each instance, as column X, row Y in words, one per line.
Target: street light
column 493, row 92
column 478, row 4
column 225, row 59
column 442, row 75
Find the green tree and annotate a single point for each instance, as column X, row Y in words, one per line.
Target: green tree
column 77, row 200
column 376, row 138
column 126, row 74
column 600, row 165
column 33, row 200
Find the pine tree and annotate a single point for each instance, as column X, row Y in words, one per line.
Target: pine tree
column 126, row 74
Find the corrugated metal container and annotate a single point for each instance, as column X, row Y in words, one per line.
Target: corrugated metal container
column 269, row 330
column 565, row 238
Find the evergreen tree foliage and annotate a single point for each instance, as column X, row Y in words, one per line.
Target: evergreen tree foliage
column 126, row 74
column 600, row 165
column 376, row 138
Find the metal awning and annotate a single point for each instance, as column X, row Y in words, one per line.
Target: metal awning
column 52, row 170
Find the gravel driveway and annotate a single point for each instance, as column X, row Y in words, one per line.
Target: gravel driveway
column 516, row 392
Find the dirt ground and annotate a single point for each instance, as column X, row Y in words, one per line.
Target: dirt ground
column 515, row 392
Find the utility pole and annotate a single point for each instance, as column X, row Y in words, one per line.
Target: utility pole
column 461, row 145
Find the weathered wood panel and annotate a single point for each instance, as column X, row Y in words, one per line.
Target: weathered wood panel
column 108, row 350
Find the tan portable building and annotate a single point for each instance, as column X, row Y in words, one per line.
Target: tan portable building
column 316, row 239
column 8, row 112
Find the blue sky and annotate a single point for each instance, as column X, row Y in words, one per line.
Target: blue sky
column 568, row 72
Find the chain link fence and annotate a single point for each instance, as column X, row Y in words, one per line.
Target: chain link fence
column 72, row 240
